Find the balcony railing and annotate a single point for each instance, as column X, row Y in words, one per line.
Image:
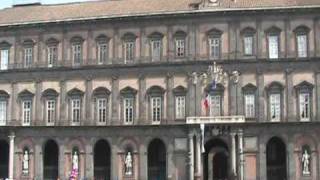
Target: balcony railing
column 215, row 119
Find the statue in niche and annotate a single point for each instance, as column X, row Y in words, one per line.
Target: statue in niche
column 128, row 164
column 305, row 163
column 75, row 161
column 25, row 162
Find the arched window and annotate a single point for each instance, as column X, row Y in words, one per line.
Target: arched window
column 304, row 93
column 101, row 104
column 77, row 50
column 49, row 97
column 249, row 93
column 26, row 99
column 75, row 106
column 273, row 42
column 28, row 54
column 248, row 37
column 128, row 96
column 180, row 44
column 302, row 39
column 129, row 47
column 215, row 93
column 180, row 102
column 214, row 43
column 156, row 46
column 275, row 96
column 155, row 95
column 102, row 49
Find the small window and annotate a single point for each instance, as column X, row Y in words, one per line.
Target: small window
column 3, row 112
column 102, row 52
column 156, row 109
column 275, row 107
column 302, row 40
column 214, row 50
column 215, row 105
column 129, row 48
column 304, row 106
column 76, row 110
column 77, row 54
column 273, row 42
column 26, row 112
column 51, row 112
column 248, row 45
column 156, row 49
column 102, row 110
column 180, row 107
column 128, row 110
column 249, row 105
column 4, row 59
column 180, row 47
column 52, row 55
column 28, row 56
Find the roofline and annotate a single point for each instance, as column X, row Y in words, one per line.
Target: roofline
column 161, row 13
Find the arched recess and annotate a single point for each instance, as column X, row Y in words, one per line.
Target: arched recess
column 102, row 160
column 50, row 160
column 276, row 154
column 75, row 145
column 4, row 159
column 157, row 155
column 216, row 162
column 26, row 145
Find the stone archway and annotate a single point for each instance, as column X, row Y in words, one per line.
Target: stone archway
column 157, row 156
column 276, row 159
column 102, row 160
column 4, row 159
column 216, row 160
column 51, row 160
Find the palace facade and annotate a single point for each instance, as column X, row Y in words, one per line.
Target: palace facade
column 114, row 90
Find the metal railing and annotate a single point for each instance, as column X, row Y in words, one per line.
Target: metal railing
column 215, row 119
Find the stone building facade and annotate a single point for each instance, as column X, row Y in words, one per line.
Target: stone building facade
column 102, row 79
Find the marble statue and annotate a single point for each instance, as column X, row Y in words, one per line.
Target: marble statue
column 75, row 160
column 128, row 164
column 305, row 163
column 25, row 162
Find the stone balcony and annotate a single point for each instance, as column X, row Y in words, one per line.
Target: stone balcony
column 215, row 119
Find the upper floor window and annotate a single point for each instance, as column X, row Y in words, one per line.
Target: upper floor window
column 249, row 100
column 156, row 46
column 51, row 111
column 76, row 50
column 75, row 110
column 101, row 97
column 275, row 101
column 215, row 95
column 4, row 55
column 214, row 37
column 155, row 94
column 248, row 41
column 52, row 52
column 273, row 41
column 304, row 92
column 180, row 102
column 26, row 98
column 102, row 49
column 28, row 53
column 50, row 101
column 4, row 96
column 180, row 44
column 129, row 47
column 128, row 95
column 302, row 41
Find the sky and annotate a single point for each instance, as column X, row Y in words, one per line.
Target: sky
column 8, row 3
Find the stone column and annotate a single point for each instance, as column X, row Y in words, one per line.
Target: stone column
column 261, row 99
column 11, row 155
column 191, row 157
column 233, row 153
column 62, row 164
column 232, row 98
column 198, row 158
column 291, row 159
column 143, row 160
column 63, row 103
column 115, row 101
column 289, row 97
column 191, row 98
column 38, row 107
column 114, row 162
column 142, row 100
column 38, row 160
column 170, row 98
column 240, row 135
column 89, row 162
column 88, row 114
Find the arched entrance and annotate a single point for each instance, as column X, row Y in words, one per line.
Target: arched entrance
column 216, row 160
column 276, row 159
column 102, row 156
column 157, row 160
column 51, row 160
column 4, row 159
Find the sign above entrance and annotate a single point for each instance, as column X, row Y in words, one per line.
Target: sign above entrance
column 215, row 119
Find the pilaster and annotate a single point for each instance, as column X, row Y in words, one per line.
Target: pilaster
column 142, row 100
column 61, row 162
column 115, row 101
column 261, row 99
column 170, row 98
column 191, row 97
column 88, row 95
column 63, row 103
column 290, row 96
column 38, row 105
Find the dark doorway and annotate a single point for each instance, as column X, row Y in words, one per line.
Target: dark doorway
column 102, row 157
column 51, row 160
column 216, row 160
column 157, row 160
column 276, row 159
column 4, row 159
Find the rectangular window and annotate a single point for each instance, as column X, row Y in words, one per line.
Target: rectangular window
column 102, row 53
column 77, row 54
column 102, row 110
column 248, row 45
column 214, row 49
column 4, row 59
column 28, row 57
column 129, row 51
column 180, row 47
column 156, row 109
column 273, row 41
column 215, row 105
column 51, row 112
column 249, row 105
column 180, row 107
column 3, row 112
column 75, row 104
column 302, row 45
column 275, row 107
column 304, row 100
column 52, row 55
column 26, row 112
column 128, row 110
column 156, row 49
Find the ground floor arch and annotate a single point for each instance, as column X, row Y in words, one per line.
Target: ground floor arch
column 157, row 156
column 51, row 160
column 4, row 159
column 102, row 160
column 276, row 159
column 216, row 160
